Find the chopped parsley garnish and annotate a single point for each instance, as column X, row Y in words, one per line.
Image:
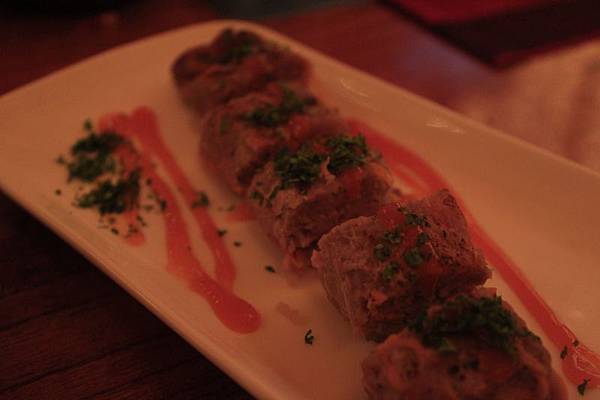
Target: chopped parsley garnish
column 92, row 154
column 113, row 197
column 232, row 48
column 308, row 337
column 564, row 352
column 393, row 237
column 416, row 220
column 161, row 203
column 582, row 386
column 97, row 143
column 413, row 257
column 390, row 239
column 221, row 232
column 346, row 152
column 300, row 169
column 201, row 201
column 270, row 268
column 382, row 252
column 274, row 115
column 422, row 238
column 390, row 270
column 484, row 318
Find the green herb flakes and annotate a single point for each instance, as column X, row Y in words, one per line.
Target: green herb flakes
column 422, row 238
column 393, row 237
column 300, row 169
column 390, row 271
column 270, row 268
column 382, row 252
column 309, row 337
column 201, row 201
column 413, row 257
column 113, row 197
column 275, row 115
column 91, row 156
column 583, row 386
column 415, row 220
column 564, row 353
column 485, row 318
column 346, row 152
column 221, row 232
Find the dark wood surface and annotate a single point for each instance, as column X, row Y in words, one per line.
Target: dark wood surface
column 67, row 331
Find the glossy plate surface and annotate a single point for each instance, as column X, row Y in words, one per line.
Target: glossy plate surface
column 542, row 210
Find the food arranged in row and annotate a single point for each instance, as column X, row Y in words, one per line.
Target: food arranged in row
column 402, row 271
column 234, row 64
column 472, row 346
column 383, row 270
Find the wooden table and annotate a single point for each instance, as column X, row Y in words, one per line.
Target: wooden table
column 67, row 331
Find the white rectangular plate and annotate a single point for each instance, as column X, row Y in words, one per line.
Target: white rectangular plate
column 542, row 210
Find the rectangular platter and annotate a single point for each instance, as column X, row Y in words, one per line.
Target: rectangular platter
column 540, row 209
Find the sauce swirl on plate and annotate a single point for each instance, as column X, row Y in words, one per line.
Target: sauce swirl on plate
column 579, row 363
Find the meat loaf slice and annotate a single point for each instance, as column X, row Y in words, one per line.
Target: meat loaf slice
column 302, row 194
column 240, row 136
column 235, row 63
column 471, row 347
column 382, row 271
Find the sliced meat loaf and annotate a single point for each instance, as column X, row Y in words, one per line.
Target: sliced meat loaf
column 471, row 347
column 232, row 65
column 303, row 194
column 382, row 271
column 240, row 136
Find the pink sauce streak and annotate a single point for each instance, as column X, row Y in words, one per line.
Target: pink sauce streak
column 581, row 362
column 235, row 313
column 146, row 130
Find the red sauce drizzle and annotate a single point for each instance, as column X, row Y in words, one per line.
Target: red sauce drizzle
column 235, row 313
column 581, row 362
column 145, row 129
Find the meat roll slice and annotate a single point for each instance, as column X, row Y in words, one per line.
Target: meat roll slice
column 471, row 347
column 235, row 63
column 243, row 134
column 382, row 271
column 302, row 194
